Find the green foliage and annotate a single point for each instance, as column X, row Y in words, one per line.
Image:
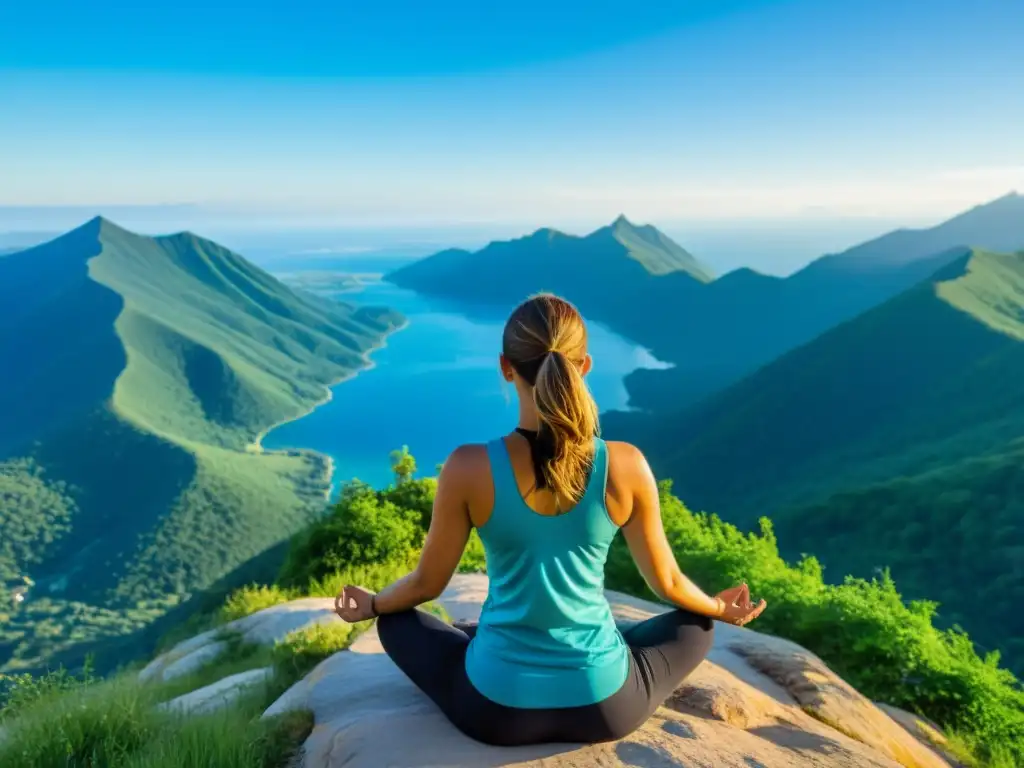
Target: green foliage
column 250, row 599
column 403, row 465
column 954, row 535
column 298, row 653
column 366, row 527
column 34, row 515
column 115, row 724
column 474, row 559
column 20, row 692
column 889, row 650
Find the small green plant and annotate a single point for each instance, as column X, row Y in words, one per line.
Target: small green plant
column 403, row 465
column 300, row 651
column 252, row 599
column 20, row 692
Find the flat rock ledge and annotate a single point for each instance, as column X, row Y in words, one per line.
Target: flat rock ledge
column 266, row 627
column 757, row 702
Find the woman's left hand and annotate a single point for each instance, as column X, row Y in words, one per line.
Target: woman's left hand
column 354, row 604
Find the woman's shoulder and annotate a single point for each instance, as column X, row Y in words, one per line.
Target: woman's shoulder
column 467, row 459
column 627, row 466
column 625, row 454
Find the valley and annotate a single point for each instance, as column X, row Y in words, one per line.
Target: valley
column 139, row 374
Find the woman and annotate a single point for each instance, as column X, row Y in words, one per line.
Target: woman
column 546, row 663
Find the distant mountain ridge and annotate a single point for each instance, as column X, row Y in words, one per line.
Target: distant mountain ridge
column 621, row 251
column 893, row 439
column 714, row 331
column 139, row 373
column 996, row 223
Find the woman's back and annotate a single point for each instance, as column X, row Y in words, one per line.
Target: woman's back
column 546, row 635
column 546, row 663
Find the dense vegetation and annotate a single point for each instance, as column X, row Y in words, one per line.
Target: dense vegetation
column 714, row 332
column 898, row 431
column 139, row 375
column 953, row 535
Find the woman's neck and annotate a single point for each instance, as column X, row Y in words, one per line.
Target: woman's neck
column 528, row 418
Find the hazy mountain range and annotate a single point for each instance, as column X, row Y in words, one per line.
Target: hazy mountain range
column 714, row 331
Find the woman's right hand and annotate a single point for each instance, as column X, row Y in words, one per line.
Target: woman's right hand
column 738, row 609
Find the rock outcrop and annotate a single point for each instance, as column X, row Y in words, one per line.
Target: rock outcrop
column 757, row 702
column 266, row 627
column 219, row 694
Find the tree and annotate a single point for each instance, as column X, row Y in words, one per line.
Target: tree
column 403, row 465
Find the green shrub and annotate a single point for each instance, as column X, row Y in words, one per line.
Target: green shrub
column 364, row 528
column 888, row 649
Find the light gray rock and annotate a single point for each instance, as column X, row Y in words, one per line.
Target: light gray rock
column 266, row 627
column 219, row 694
column 744, row 707
column 193, row 661
column 274, row 624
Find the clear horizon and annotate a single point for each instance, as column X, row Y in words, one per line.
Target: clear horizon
column 793, row 116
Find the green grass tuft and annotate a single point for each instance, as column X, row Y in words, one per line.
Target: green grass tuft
column 301, row 651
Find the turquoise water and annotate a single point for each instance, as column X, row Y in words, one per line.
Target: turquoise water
column 435, row 386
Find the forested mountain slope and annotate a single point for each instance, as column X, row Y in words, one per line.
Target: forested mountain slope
column 138, row 374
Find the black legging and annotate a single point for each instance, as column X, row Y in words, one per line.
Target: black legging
column 664, row 650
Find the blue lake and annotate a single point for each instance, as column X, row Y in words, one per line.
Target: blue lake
column 434, row 386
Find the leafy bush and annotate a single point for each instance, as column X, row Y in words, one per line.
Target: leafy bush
column 364, row 528
column 888, row 649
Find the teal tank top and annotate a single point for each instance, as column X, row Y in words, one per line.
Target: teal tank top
column 546, row 637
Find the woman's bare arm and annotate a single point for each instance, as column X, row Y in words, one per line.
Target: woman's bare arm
column 645, row 536
column 446, row 540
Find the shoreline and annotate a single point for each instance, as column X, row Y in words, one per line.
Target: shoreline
column 256, row 446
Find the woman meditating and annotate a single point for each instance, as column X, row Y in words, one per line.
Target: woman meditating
column 546, row 662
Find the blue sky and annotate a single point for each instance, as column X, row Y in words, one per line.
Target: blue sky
column 513, row 114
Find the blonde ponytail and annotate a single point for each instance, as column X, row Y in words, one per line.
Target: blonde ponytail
column 545, row 340
column 568, row 424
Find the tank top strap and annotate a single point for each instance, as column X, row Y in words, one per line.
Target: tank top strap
column 597, row 487
column 505, row 487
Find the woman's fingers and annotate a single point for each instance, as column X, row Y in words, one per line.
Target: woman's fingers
column 743, row 598
column 758, row 609
column 753, row 613
column 346, row 604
